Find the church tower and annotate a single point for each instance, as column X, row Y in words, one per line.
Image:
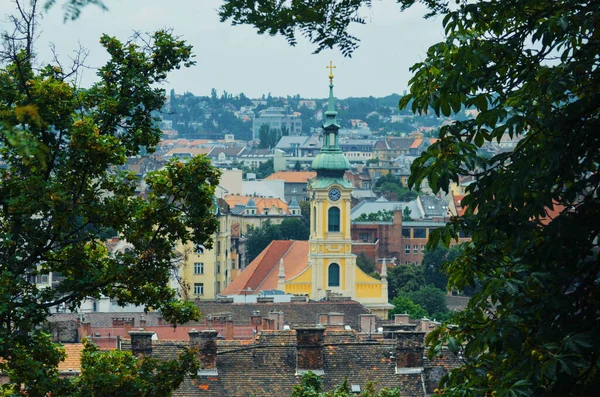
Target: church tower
column 330, row 254
column 330, row 243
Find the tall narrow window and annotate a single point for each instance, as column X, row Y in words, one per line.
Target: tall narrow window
column 333, row 219
column 333, row 275
column 314, row 219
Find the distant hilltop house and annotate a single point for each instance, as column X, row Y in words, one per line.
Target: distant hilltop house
column 277, row 118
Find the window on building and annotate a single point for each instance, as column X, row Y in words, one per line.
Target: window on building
column 422, row 249
column 199, row 250
column 233, row 263
column 333, row 218
column 314, row 219
column 419, row 233
column 415, row 249
column 407, row 249
column 218, row 267
column 218, row 248
column 406, row 232
column 333, row 275
column 364, row 237
column 42, row 279
column 199, row 268
column 198, row 288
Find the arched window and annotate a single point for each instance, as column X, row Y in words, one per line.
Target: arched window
column 333, row 218
column 333, row 275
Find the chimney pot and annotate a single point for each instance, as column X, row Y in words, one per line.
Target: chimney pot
column 206, row 343
column 141, row 342
column 310, row 349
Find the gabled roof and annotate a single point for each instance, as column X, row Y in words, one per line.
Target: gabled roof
column 292, row 176
column 399, row 143
column 286, row 141
column 229, row 151
column 260, row 202
column 262, row 273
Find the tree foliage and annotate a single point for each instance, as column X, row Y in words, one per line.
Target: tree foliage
column 404, row 305
column 364, row 263
column 119, row 372
column 268, row 137
column 311, row 385
column 62, row 190
column 379, row 216
column 404, row 278
column 432, row 265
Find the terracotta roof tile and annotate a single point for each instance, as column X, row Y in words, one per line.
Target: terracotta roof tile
column 416, row 143
column 73, row 357
column 292, row 176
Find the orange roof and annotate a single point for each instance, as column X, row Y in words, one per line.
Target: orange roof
column 416, row 143
column 552, row 213
column 72, row 357
column 292, row 176
column 460, row 210
column 197, row 142
column 263, row 272
column 261, row 202
column 433, row 140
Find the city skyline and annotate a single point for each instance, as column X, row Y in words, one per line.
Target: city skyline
column 236, row 59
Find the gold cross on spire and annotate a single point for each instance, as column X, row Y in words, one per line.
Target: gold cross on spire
column 330, row 67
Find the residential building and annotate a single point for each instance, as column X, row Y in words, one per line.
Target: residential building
column 295, row 183
column 277, row 118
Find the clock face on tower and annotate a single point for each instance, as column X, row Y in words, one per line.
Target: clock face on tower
column 334, row 194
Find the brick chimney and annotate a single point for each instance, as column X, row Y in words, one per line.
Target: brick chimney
column 141, row 342
column 368, row 323
column 206, row 343
column 410, row 347
column 277, row 317
column 401, row 318
column 310, row 350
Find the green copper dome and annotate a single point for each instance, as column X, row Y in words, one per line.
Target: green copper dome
column 330, row 161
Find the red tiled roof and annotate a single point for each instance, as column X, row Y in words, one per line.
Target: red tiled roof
column 263, row 272
column 72, row 357
column 292, row 176
column 416, row 143
column 261, row 202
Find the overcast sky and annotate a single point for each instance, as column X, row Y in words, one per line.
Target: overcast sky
column 237, row 59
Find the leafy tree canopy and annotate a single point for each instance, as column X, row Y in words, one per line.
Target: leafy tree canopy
column 432, row 265
column 404, row 278
column 404, row 305
column 62, row 193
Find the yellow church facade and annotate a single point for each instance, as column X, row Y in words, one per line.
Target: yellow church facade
column 325, row 266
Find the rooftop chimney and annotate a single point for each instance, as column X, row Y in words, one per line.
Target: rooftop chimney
column 368, row 323
column 206, row 343
column 410, row 347
column 310, row 350
column 141, row 342
column 401, row 318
